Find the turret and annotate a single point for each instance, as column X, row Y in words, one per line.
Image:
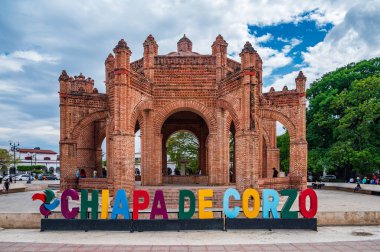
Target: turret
column 122, row 55
column 150, row 51
column 109, row 63
column 78, row 84
column 300, row 82
column 184, row 44
column 248, row 56
column 219, row 50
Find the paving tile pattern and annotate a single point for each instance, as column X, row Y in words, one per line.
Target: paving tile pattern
column 346, row 246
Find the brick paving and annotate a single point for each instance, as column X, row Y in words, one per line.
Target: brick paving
column 346, row 246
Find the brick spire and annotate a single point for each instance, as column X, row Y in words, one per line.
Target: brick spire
column 248, row 48
column 120, row 46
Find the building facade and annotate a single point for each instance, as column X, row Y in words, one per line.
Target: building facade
column 211, row 96
column 36, row 156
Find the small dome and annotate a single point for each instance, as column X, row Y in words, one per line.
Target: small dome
column 184, row 39
column 184, row 44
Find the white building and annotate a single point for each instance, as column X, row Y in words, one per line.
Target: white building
column 36, row 156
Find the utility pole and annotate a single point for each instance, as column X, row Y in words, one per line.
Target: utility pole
column 14, row 148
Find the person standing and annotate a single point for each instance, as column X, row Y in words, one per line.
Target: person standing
column 95, row 173
column 6, row 186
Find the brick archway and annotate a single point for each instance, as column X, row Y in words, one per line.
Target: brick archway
column 280, row 117
column 185, row 105
column 95, row 116
column 137, row 115
column 232, row 116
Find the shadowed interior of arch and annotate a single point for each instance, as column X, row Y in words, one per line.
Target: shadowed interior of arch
column 196, row 130
column 275, row 149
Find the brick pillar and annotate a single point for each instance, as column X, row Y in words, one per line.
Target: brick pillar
column 123, row 153
column 298, row 161
column 242, row 145
column 298, row 148
column 68, row 165
column 150, row 51
column 221, row 144
column 124, row 162
column 219, row 50
column 148, row 155
column 212, row 161
column 110, row 155
column 156, row 171
column 273, row 160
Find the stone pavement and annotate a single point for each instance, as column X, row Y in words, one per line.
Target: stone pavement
column 372, row 245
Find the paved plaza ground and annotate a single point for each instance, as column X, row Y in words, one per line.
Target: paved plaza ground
column 326, row 239
column 327, row 246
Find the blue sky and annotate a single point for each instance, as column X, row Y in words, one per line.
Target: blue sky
column 38, row 39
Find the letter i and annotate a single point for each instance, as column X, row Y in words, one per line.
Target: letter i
column 105, row 196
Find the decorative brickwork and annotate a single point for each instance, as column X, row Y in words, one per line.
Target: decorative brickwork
column 209, row 95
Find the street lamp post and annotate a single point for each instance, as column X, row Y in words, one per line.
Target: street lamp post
column 14, row 148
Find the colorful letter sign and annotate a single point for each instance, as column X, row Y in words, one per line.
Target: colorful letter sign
column 250, row 202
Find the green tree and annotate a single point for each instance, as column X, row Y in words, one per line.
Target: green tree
column 343, row 120
column 5, row 157
column 283, row 143
column 183, row 146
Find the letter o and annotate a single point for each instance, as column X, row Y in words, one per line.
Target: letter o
column 313, row 203
column 248, row 193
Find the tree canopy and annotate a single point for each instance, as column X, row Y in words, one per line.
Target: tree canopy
column 283, row 143
column 183, row 146
column 5, row 157
column 343, row 120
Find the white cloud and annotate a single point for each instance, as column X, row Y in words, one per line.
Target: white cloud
column 355, row 39
column 272, row 59
column 33, row 56
column 292, row 43
column 264, row 38
column 15, row 61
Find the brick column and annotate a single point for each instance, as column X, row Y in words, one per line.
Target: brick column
column 149, row 168
column 247, row 166
column 298, row 159
column 124, row 162
column 68, row 165
column 273, row 160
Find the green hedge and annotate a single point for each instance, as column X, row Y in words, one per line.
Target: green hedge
column 30, row 167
